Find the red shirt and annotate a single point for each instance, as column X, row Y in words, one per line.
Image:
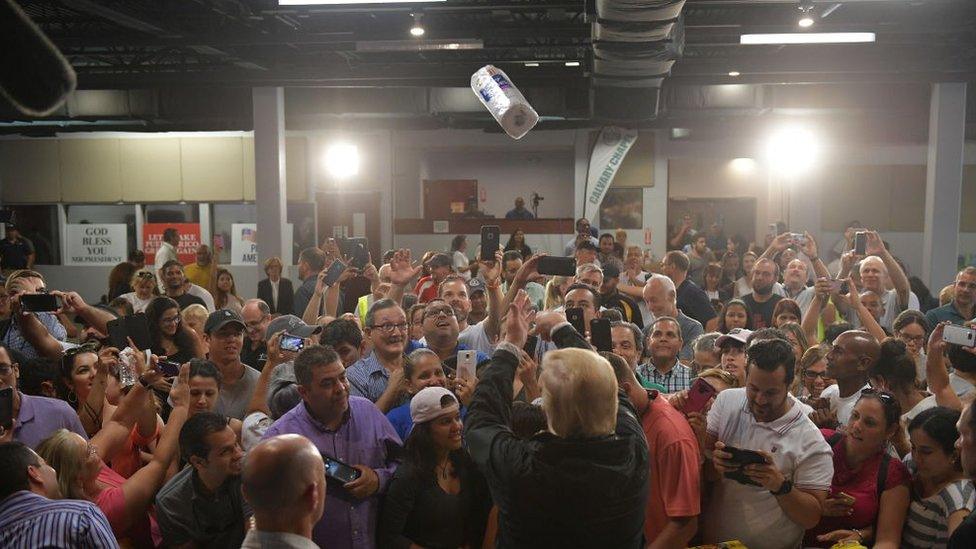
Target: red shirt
column 862, row 485
column 426, row 289
column 675, row 466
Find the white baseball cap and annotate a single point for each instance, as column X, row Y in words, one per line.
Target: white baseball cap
column 431, row 403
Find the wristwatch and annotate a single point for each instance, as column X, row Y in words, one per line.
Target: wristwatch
column 784, row 488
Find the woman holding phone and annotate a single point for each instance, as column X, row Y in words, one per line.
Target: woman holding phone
column 437, row 497
column 869, row 493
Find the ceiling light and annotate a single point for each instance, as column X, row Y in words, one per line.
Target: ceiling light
column 531, row 64
column 806, row 14
column 426, row 44
column 339, row 2
column 417, row 29
column 808, row 38
column 572, row 63
column 342, row 160
column 734, row 73
column 742, row 166
column 805, row 21
column 792, row 150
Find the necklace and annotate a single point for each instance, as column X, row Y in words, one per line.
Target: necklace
column 444, row 472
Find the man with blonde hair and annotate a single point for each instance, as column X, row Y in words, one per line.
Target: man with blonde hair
column 530, row 479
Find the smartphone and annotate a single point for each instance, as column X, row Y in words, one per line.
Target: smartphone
column 799, row 238
column 467, row 363
column 772, row 229
column 531, row 343
column 489, row 242
column 837, row 285
column 959, row 335
column 575, row 317
column 860, row 243
column 291, row 343
column 339, row 470
column 600, row 334
column 357, row 249
column 135, row 326
column 7, row 408
column 39, row 303
column 556, row 265
column 743, row 457
column 699, row 394
column 116, row 333
column 334, row 272
column 168, row 367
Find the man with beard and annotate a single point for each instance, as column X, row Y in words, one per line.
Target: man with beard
column 762, row 300
column 350, row 429
column 175, row 281
column 769, row 504
column 379, row 376
column 698, row 257
column 849, row 361
column 224, row 333
column 454, row 291
column 202, row 505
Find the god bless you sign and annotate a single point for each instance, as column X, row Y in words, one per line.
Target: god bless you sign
column 95, row 244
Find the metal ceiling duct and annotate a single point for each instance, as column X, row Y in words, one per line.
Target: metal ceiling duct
column 635, row 44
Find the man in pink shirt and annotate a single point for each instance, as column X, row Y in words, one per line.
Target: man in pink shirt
column 671, row 516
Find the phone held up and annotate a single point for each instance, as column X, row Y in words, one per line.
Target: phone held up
column 490, row 235
column 959, row 335
column 289, row 342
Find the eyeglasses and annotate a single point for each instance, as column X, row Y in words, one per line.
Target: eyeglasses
column 438, row 311
column 5, row 369
column 90, row 347
column 390, row 327
column 811, row 375
column 910, row 338
column 170, row 320
column 146, row 274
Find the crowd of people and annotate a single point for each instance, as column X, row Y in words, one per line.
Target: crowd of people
column 764, row 394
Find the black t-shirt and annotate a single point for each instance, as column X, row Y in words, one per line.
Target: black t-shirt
column 186, row 300
column 627, row 306
column 964, row 536
column 13, row 255
column 694, row 302
column 762, row 313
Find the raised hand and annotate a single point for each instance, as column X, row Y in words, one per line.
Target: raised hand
column 517, row 323
column 809, row 248
column 402, row 268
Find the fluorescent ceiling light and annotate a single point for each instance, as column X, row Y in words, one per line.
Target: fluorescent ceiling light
column 805, row 21
column 808, row 38
column 531, row 64
column 341, row 2
column 422, row 45
column 734, row 73
column 572, row 63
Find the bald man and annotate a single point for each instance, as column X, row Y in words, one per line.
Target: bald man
column 284, row 481
column 850, row 359
column 661, row 299
column 879, row 270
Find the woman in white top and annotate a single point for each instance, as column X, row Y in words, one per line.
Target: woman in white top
column 144, row 283
column 743, row 286
column 459, row 245
column 913, row 328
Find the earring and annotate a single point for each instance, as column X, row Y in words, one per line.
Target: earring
column 72, row 397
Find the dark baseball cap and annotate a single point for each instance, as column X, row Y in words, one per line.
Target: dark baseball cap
column 475, row 285
column 293, row 325
column 221, row 318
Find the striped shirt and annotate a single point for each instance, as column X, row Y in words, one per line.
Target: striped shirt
column 30, row 520
column 928, row 518
column 367, row 378
column 677, row 379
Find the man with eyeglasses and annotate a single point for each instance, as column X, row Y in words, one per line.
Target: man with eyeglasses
column 35, row 417
column 256, row 315
column 32, row 513
column 441, row 331
column 962, row 308
column 379, row 376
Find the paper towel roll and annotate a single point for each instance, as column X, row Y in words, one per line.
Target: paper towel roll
column 504, row 101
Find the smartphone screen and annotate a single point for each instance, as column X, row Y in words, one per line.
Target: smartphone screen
column 467, row 363
column 959, row 335
column 339, row 470
column 489, row 241
column 7, row 407
column 555, row 265
column 575, row 317
column 39, row 303
column 600, row 334
column 168, row 368
column 334, row 272
column 291, row 343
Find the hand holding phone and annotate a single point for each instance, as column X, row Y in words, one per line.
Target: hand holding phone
column 959, row 335
column 600, row 336
column 575, row 317
column 39, row 303
column 467, row 363
column 555, row 265
column 490, row 235
column 860, row 242
column 699, row 394
column 293, row 343
column 340, row 471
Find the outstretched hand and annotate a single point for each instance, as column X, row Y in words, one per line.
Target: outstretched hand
column 520, row 314
column 402, row 268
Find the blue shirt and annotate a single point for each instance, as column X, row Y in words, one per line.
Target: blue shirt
column 15, row 340
column 39, row 417
column 417, row 344
column 402, row 422
column 946, row 312
column 29, row 520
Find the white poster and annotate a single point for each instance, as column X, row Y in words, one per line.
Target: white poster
column 244, row 244
column 609, row 151
column 95, row 244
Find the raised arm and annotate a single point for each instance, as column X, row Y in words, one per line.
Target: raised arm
column 90, row 411
column 868, row 322
column 311, row 313
column 812, row 315
column 34, row 331
column 936, row 374
column 402, row 271
column 493, row 286
column 95, row 317
column 875, row 246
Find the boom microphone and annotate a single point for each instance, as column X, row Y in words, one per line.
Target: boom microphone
column 34, row 76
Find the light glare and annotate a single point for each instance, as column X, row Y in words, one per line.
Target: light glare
column 806, row 21
column 792, row 150
column 743, row 166
column 342, row 160
column 417, row 30
column 808, row 38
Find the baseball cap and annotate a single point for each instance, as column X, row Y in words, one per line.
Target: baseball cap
column 426, row 404
column 738, row 334
column 221, row 318
column 475, row 285
column 293, row 325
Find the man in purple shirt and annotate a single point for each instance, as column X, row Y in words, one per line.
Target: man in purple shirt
column 37, row 417
column 350, row 429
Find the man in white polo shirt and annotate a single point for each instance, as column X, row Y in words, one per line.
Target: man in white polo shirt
column 785, row 495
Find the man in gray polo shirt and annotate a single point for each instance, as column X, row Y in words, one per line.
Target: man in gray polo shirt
column 202, row 505
column 224, row 332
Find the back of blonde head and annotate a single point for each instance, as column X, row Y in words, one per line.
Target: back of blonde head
column 579, row 393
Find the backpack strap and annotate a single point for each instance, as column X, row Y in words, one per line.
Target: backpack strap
column 883, row 473
column 833, row 439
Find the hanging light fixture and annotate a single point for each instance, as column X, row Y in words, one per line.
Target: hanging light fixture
column 417, row 29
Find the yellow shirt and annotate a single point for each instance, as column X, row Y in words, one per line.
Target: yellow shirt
column 198, row 275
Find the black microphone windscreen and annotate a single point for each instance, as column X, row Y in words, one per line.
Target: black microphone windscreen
column 34, row 76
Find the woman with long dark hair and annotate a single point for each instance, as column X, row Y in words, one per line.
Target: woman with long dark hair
column 517, row 242
column 735, row 314
column 170, row 338
column 225, row 292
column 119, row 279
column 437, row 498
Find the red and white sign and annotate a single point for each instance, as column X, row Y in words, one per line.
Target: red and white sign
column 152, row 239
column 647, row 236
